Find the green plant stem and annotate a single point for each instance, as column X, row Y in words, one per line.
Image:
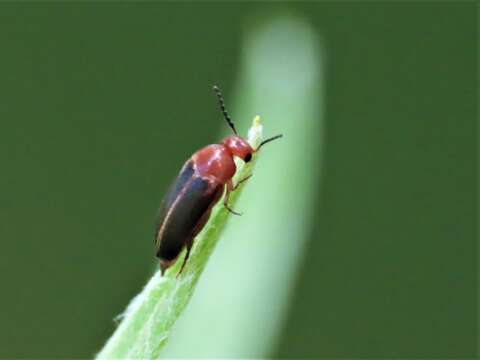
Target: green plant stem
column 148, row 319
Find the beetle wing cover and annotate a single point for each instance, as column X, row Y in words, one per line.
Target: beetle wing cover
column 189, row 198
column 183, row 177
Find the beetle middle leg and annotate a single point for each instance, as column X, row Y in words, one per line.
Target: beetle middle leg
column 231, row 188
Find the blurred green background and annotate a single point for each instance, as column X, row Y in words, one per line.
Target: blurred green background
column 102, row 102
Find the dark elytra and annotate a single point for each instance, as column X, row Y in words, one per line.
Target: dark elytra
column 189, row 199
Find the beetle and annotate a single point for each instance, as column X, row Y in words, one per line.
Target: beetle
column 202, row 181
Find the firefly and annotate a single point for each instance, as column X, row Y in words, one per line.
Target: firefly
column 201, row 183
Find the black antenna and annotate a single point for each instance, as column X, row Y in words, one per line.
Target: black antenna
column 222, row 107
column 268, row 140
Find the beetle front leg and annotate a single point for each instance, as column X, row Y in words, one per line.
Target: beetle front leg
column 241, row 181
column 230, row 188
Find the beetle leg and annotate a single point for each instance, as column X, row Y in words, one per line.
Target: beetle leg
column 189, row 247
column 230, row 188
column 241, row 181
column 231, row 210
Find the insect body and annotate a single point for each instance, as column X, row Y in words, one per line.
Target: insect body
column 198, row 187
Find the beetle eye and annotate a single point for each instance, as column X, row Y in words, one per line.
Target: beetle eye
column 247, row 158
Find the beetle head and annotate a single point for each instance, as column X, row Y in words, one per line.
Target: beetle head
column 235, row 144
column 238, row 147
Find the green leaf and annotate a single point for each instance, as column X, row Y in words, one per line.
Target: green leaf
column 239, row 308
column 244, row 293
